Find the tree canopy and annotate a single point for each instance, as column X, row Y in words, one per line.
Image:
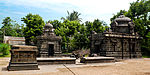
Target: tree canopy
column 11, row 28
column 74, row 16
column 34, row 27
column 74, row 34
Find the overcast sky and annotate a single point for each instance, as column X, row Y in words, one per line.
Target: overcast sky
column 55, row 9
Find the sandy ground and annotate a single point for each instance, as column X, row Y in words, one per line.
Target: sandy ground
column 125, row 67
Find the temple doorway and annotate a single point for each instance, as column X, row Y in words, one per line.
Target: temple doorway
column 51, row 50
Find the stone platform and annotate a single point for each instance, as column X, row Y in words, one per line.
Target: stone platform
column 23, row 58
column 97, row 59
column 23, row 66
column 58, row 60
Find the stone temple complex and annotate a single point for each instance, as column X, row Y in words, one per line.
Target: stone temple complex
column 48, row 43
column 120, row 41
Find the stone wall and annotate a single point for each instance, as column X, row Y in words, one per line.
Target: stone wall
column 14, row 40
column 121, row 46
column 48, row 43
column 43, row 46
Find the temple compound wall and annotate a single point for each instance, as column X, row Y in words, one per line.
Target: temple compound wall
column 120, row 41
column 14, row 40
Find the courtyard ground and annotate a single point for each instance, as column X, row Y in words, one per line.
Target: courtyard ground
column 125, row 67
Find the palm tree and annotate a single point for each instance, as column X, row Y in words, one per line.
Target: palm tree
column 74, row 16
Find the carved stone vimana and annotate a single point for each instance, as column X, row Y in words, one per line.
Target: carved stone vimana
column 48, row 43
column 120, row 42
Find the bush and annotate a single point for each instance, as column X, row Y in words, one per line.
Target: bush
column 4, row 49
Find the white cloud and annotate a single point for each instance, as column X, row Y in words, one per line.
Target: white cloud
column 18, row 13
column 89, row 9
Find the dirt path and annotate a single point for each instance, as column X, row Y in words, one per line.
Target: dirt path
column 126, row 67
column 129, row 67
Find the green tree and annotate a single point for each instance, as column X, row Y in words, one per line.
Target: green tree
column 70, row 27
column 1, row 36
column 4, row 49
column 75, row 35
column 11, row 28
column 34, row 27
column 66, row 30
column 80, row 39
column 55, row 23
column 74, row 16
column 97, row 26
column 138, row 8
column 7, row 27
column 19, row 30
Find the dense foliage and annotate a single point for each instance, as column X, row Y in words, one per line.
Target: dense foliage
column 10, row 28
column 74, row 16
column 74, row 34
column 34, row 27
column 4, row 49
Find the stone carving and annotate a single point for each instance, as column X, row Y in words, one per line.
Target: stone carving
column 23, row 58
column 48, row 43
column 121, row 42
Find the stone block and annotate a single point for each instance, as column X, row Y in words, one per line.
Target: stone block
column 97, row 59
column 56, row 60
column 23, row 58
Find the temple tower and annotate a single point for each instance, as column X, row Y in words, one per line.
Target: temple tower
column 120, row 42
column 48, row 43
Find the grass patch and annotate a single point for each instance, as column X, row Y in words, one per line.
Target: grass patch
column 86, row 55
column 67, row 53
column 4, row 50
column 144, row 56
column 1, row 55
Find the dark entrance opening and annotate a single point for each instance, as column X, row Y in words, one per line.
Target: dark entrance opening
column 51, row 50
column 133, row 50
column 122, row 48
column 96, row 49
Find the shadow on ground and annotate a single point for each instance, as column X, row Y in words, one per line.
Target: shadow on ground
column 4, row 69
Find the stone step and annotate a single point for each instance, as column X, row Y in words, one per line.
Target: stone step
column 20, row 66
column 56, row 60
column 97, row 59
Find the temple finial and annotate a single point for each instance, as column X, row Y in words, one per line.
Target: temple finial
column 121, row 13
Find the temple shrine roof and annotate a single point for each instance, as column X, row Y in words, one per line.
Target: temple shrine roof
column 49, row 25
column 122, row 18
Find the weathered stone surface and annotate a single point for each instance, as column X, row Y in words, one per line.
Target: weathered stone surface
column 120, row 42
column 14, row 40
column 23, row 58
column 97, row 59
column 47, row 61
column 48, row 44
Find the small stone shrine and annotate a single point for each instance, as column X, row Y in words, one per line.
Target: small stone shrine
column 23, row 58
column 120, row 42
column 48, row 43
